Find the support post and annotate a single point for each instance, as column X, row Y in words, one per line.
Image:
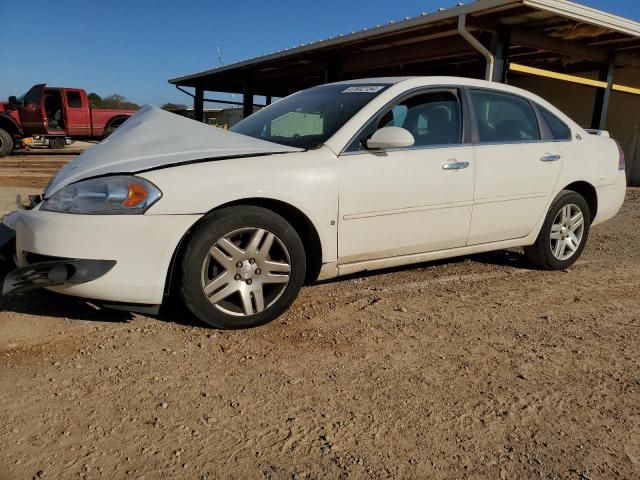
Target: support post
column 601, row 104
column 500, row 49
column 332, row 71
column 247, row 100
column 198, row 105
column 268, row 100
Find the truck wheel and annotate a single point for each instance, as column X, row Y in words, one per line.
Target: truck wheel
column 6, row 143
column 108, row 131
column 57, row 143
column 112, row 126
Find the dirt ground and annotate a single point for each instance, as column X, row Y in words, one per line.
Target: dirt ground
column 470, row 368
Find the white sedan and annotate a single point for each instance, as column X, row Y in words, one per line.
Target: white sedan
column 336, row 179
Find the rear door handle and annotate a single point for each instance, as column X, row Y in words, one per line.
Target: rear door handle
column 455, row 165
column 550, row 158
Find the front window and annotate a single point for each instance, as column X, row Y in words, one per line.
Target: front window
column 432, row 118
column 30, row 97
column 307, row 119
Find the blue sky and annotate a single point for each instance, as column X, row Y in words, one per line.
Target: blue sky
column 132, row 47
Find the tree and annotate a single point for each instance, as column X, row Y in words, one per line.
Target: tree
column 95, row 100
column 118, row 102
column 173, row 106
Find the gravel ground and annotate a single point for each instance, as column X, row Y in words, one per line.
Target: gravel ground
column 470, row 368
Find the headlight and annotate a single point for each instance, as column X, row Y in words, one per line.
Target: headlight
column 116, row 195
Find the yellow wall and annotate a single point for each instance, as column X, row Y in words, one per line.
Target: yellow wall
column 623, row 119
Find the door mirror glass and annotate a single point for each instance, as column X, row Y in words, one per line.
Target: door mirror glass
column 390, row 137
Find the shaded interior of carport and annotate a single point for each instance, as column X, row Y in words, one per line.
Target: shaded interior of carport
column 547, row 46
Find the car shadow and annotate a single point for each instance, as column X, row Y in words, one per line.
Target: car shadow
column 500, row 258
column 44, row 303
column 173, row 310
column 503, row 258
column 50, row 304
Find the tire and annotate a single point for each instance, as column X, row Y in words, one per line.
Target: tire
column 57, row 143
column 108, row 131
column 251, row 278
column 563, row 223
column 6, row 143
column 113, row 125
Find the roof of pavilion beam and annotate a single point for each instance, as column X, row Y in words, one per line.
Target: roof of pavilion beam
column 553, row 34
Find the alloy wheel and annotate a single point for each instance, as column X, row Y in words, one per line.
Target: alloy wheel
column 246, row 271
column 567, row 231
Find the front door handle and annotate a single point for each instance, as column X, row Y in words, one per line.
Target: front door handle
column 455, row 165
column 547, row 157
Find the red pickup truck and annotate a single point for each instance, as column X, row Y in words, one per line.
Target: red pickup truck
column 53, row 114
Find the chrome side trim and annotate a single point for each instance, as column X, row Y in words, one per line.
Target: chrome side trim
column 441, row 206
column 396, row 211
column 406, row 149
column 509, row 198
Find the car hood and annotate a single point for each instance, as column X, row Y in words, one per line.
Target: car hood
column 154, row 138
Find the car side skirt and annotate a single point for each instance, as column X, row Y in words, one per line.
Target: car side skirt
column 401, row 260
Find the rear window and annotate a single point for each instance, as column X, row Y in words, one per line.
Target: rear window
column 74, row 99
column 503, row 117
column 559, row 130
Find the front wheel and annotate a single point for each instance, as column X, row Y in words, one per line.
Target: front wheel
column 242, row 267
column 564, row 233
column 6, row 143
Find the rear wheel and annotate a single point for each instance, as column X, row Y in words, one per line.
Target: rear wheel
column 564, row 233
column 6, row 143
column 113, row 125
column 243, row 267
column 57, row 143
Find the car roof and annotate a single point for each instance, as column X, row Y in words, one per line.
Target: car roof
column 429, row 80
column 426, row 81
column 377, row 80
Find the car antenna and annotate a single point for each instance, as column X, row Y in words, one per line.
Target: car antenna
column 221, row 62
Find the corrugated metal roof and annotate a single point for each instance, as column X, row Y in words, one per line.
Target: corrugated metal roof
column 562, row 8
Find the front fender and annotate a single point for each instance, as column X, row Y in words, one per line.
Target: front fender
column 305, row 180
column 8, row 123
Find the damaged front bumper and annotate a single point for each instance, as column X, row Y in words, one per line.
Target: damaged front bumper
column 49, row 273
column 140, row 248
column 64, row 271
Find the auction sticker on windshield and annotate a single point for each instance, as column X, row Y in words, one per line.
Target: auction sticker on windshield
column 364, row 89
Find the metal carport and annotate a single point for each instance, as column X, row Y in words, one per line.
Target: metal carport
column 501, row 40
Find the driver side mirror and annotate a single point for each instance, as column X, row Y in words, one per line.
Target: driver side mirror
column 13, row 100
column 390, row 137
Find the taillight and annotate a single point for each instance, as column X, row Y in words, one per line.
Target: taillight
column 621, row 157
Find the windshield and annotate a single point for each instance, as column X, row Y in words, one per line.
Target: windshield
column 308, row 118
